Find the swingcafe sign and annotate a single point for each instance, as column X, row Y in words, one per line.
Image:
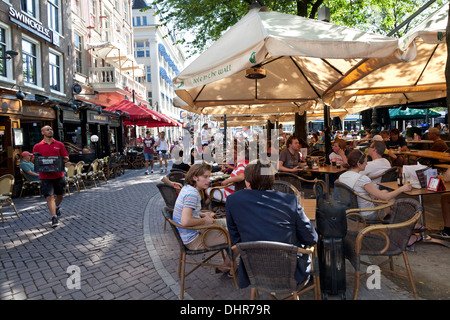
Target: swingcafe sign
column 33, row 26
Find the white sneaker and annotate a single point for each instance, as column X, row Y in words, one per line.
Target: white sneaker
column 146, row 172
column 151, row 171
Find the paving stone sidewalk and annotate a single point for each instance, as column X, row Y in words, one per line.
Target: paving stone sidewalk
column 114, row 235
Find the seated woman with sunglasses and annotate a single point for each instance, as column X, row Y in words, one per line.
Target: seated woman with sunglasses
column 360, row 183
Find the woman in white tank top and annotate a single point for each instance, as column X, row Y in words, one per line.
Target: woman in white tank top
column 162, row 146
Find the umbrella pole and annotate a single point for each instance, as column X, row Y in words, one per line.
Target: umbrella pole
column 326, row 122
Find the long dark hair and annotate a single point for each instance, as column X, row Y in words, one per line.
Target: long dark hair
column 355, row 157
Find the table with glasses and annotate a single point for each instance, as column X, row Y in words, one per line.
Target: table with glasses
column 326, row 169
column 443, row 156
column 421, row 193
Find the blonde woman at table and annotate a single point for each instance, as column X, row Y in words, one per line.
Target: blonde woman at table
column 360, row 183
column 187, row 211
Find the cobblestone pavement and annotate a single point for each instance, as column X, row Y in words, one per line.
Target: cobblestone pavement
column 114, row 235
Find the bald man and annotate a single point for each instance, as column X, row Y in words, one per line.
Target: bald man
column 52, row 183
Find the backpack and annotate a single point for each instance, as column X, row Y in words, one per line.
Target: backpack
column 331, row 218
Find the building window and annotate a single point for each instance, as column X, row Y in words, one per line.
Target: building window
column 29, row 6
column 78, row 53
column 55, row 71
column 140, row 54
column 29, row 60
column 3, row 60
column 144, row 21
column 138, row 21
column 54, row 15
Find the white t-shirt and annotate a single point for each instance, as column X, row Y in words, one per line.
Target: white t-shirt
column 206, row 137
column 375, row 168
column 357, row 181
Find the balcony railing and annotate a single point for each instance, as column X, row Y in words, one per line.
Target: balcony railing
column 111, row 78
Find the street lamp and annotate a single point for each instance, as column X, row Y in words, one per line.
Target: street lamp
column 94, row 140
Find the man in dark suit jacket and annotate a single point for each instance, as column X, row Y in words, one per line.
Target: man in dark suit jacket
column 262, row 214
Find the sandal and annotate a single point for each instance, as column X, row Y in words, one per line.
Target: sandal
column 418, row 239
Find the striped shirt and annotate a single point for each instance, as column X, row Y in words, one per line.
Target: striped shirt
column 189, row 197
column 240, row 168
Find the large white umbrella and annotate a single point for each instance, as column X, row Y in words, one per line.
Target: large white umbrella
column 303, row 60
column 418, row 80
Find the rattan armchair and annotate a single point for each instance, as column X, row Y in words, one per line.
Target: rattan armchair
column 6, row 191
column 91, row 174
column 79, row 174
column 205, row 261
column 169, row 195
column 384, row 240
column 71, row 178
column 271, row 266
column 350, row 198
column 388, row 175
column 28, row 184
column 176, row 176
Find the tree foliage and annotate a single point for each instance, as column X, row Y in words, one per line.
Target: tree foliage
column 208, row 19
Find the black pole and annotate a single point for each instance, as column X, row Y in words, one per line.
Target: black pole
column 326, row 123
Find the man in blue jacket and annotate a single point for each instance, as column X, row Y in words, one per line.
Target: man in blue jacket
column 259, row 213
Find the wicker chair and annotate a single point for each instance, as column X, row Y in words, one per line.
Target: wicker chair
column 169, row 194
column 350, row 198
column 79, row 174
column 101, row 171
column 28, row 184
column 71, row 177
column 271, row 266
column 285, row 187
column 176, row 176
column 388, row 175
column 6, row 191
column 205, row 262
column 296, row 181
column 384, row 240
column 91, row 174
column 237, row 186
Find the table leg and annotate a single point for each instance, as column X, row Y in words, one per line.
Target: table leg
column 427, row 238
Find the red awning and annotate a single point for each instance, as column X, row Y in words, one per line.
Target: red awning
column 137, row 115
column 171, row 122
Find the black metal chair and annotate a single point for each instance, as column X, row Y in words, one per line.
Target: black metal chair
column 176, row 176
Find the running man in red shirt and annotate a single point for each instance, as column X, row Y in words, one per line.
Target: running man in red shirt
column 52, row 183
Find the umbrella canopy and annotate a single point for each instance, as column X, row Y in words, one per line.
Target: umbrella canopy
column 419, row 80
column 409, row 114
column 302, row 58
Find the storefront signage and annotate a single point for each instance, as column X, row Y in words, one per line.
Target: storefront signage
column 94, row 117
column 39, row 112
column 69, row 115
column 32, row 25
column 114, row 122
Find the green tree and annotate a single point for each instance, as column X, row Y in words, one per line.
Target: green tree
column 208, row 19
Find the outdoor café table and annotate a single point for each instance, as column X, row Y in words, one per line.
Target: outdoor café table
column 443, row 156
column 421, row 193
column 442, row 166
column 309, row 207
column 326, row 170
